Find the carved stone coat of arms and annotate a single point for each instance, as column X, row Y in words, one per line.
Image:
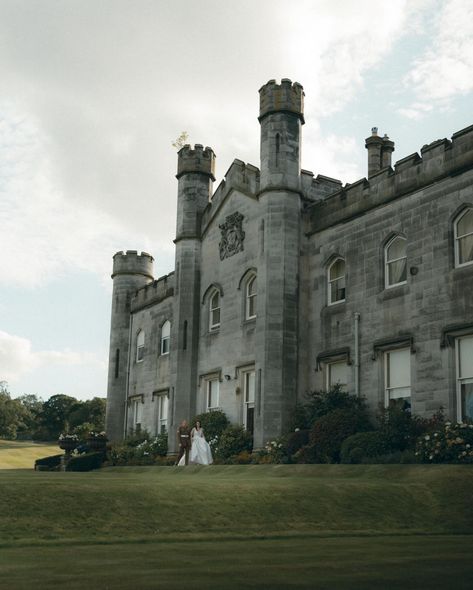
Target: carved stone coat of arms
column 232, row 236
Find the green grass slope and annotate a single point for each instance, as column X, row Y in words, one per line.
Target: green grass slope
column 22, row 454
column 281, row 526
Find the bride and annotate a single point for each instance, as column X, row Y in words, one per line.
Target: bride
column 200, row 449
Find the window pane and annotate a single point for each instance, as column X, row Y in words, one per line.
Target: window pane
column 466, row 390
column 166, row 329
column 252, row 286
column 337, row 290
column 466, row 357
column 398, row 368
column 216, row 317
column 252, row 306
column 212, row 393
column 465, row 249
column 337, row 269
column 338, row 374
column 250, row 387
column 397, row 272
column 396, row 249
column 465, row 224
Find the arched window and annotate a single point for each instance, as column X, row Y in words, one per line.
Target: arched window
column 165, row 337
column 464, row 238
column 336, row 281
column 395, row 262
column 214, row 311
column 251, row 296
column 140, row 346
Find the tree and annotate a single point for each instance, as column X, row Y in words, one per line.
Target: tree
column 12, row 413
column 90, row 411
column 55, row 414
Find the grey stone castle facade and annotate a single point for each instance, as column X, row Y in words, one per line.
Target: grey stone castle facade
column 286, row 282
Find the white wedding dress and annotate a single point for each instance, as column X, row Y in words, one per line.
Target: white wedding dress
column 200, row 450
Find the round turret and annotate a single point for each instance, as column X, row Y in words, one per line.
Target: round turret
column 197, row 160
column 286, row 97
column 132, row 263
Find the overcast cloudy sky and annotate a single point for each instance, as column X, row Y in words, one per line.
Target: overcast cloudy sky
column 93, row 93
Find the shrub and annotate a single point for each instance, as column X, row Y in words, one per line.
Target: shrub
column 233, row 440
column 143, row 453
column 133, row 440
column 83, row 430
column 329, row 432
column 213, row 424
column 85, row 462
column 52, row 462
column 296, row 440
column 364, row 444
column 451, row 444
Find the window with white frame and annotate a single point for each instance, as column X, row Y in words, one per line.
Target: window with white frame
column 212, row 394
column 337, row 374
column 165, row 337
column 336, row 281
column 249, row 400
column 464, row 372
column 397, row 377
column 163, row 402
column 136, row 413
column 395, row 262
column 464, row 238
column 140, row 346
column 251, row 296
column 214, row 311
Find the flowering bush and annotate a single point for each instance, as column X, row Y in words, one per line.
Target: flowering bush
column 233, row 441
column 451, row 444
column 145, row 452
column 65, row 436
column 98, row 435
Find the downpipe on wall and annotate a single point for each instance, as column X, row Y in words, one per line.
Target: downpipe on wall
column 357, row 354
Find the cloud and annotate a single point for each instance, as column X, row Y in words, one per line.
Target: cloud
column 445, row 69
column 17, row 358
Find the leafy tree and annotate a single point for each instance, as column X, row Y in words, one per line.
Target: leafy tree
column 12, row 413
column 55, row 414
column 90, row 411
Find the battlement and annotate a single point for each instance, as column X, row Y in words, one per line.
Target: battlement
column 132, row 263
column 240, row 176
column 319, row 187
column 438, row 160
column 153, row 292
column 284, row 97
column 196, row 160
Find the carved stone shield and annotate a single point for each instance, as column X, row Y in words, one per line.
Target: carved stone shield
column 232, row 236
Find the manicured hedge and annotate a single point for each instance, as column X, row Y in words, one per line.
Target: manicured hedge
column 85, row 462
column 50, row 462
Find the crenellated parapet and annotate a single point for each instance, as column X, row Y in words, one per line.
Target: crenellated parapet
column 319, row 187
column 285, row 97
column 132, row 263
column 198, row 160
column 153, row 293
column 241, row 177
column 437, row 160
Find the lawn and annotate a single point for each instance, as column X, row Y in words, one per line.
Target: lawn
column 22, row 454
column 306, row 526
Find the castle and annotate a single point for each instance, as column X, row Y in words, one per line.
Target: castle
column 286, row 282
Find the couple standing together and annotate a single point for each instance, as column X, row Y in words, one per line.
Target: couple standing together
column 193, row 448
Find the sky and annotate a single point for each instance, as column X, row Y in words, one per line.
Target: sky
column 94, row 92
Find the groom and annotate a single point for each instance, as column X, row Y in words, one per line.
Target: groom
column 184, row 438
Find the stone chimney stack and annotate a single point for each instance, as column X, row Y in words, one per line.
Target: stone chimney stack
column 380, row 150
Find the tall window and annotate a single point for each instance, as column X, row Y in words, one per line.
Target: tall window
column 464, row 354
column 249, row 400
column 137, row 413
column 251, row 295
column 165, row 337
column 336, row 374
column 214, row 311
column 140, row 346
column 212, row 394
column 395, row 259
column 336, row 281
column 397, row 377
column 162, row 414
column 464, row 238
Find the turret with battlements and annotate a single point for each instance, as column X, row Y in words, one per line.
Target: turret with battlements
column 131, row 271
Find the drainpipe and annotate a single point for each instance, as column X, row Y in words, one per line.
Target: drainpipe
column 127, row 389
column 357, row 355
